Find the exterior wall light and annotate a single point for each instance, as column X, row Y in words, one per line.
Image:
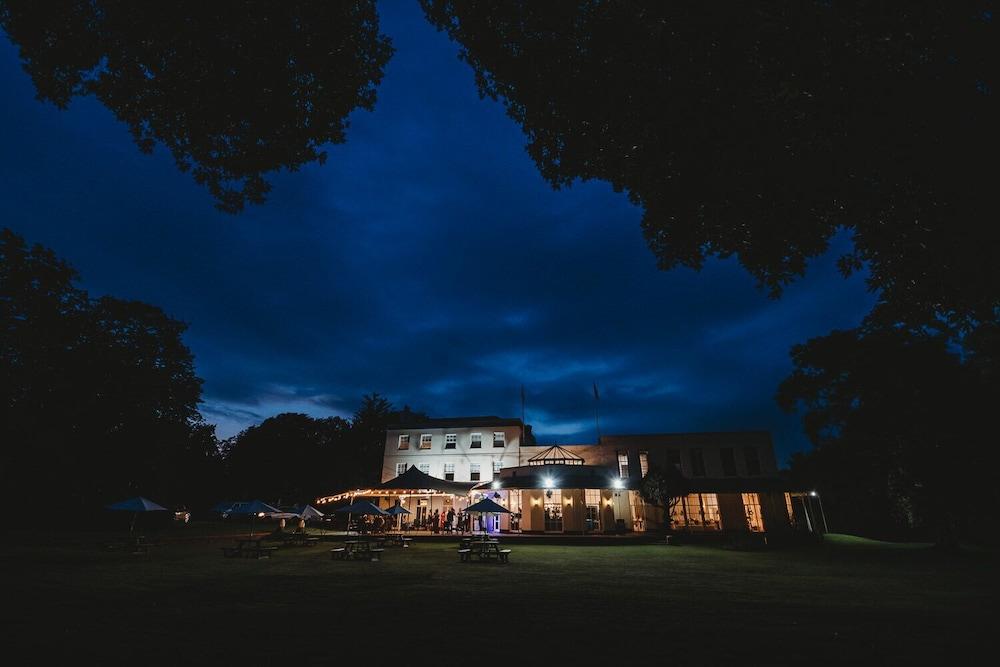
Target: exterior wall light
column 495, row 484
column 548, row 482
column 617, row 484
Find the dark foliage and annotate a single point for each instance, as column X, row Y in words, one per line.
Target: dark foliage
column 233, row 89
column 664, row 486
column 903, row 430
column 760, row 129
column 99, row 397
column 294, row 458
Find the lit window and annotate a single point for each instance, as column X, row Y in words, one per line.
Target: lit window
column 496, row 466
column 644, row 463
column 425, row 441
column 477, row 441
column 400, row 469
column 499, row 439
column 697, row 463
column 751, row 506
column 425, row 468
column 728, row 457
column 449, row 471
column 623, row 464
column 753, row 460
column 450, row 441
column 474, row 470
column 404, row 441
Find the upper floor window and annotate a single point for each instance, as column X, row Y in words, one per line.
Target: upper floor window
column 474, row 472
column 697, row 463
column 477, row 441
column 623, row 464
column 404, row 441
column 425, row 441
column 753, row 460
column 450, row 440
column 644, row 463
column 674, row 458
column 425, row 468
column 499, row 439
column 728, row 457
column 449, row 471
column 400, row 469
column 496, row 466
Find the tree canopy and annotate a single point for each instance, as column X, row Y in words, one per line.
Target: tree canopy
column 233, row 89
column 760, row 130
column 99, row 396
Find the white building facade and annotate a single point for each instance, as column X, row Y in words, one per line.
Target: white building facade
column 466, row 449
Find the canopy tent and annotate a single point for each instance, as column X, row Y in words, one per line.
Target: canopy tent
column 414, row 479
column 307, row 512
column 135, row 505
column 224, row 507
column 361, row 507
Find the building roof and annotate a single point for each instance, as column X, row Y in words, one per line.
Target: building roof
column 555, row 455
column 445, row 422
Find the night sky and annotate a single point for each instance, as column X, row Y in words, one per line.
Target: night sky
column 426, row 260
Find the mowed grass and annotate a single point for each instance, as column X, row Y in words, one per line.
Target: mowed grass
column 849, row 599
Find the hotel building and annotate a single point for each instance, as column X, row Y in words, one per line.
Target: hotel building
column 440, row 464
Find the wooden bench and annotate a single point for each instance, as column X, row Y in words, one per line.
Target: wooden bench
column 504, row 555
column 464, row 555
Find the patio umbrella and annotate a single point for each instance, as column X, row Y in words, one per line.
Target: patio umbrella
column 398, row 510
column 487, row 506
column 135, row 505
column 361, row 507
column 253, row 508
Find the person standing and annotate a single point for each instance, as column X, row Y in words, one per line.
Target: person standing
column 450, row 520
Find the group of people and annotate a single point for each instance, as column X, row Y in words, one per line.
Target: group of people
column 444, row 522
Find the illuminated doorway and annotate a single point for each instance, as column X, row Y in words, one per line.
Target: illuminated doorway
column 553, row 511
column 751, row 505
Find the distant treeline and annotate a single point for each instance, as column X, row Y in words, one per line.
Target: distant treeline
column 100, row 401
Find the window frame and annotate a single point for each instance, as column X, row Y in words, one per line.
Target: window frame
column 503, row 439
column 404, row 441
column 453, row 442
column 474, row 443
column 429, row 440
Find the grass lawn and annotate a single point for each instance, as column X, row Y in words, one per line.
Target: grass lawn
column 848, row 599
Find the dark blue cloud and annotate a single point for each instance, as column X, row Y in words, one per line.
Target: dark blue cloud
column 426, row 260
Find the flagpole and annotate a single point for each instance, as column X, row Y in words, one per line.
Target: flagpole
column 597, row 412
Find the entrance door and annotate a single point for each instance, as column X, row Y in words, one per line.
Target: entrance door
column 592, row 519
column 553, row 511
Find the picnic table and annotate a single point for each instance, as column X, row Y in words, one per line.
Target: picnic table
column 248, row 548
column 359, row 549
column 483, row 550
column 397, row 540
column 299, row 539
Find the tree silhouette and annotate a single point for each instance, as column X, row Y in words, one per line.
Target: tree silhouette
column 902, row 429
column 759, row 130
column 233, row 89
column 98, row 398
